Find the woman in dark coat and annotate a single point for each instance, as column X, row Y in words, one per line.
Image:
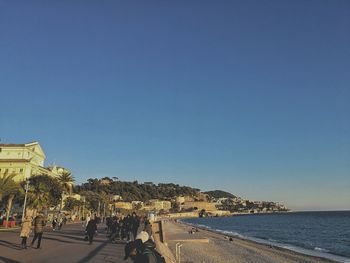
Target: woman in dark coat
column 91, row 229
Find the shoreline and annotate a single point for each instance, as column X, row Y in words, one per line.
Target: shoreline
column 319, row 255
column 220, row 249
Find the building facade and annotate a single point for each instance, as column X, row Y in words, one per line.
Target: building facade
column 160, row 205
column 23, row 160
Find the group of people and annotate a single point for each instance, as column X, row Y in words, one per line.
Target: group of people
column 57, row 223
column 38, row 223
column 136, row 230
column 127, row 227
column 143, row 250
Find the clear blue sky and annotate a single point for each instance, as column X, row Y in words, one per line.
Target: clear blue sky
column 252, row 97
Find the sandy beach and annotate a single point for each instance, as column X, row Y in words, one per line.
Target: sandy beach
column 210, row 247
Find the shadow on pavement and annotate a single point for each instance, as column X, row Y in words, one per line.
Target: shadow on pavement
column 93, row 253
column 59, row 240
column 80, row 238
column 10, row 245
column 7, row 260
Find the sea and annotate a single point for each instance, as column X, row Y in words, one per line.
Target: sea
column 321, row 234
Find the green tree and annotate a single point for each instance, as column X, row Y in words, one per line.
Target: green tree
column 44, row 192
column 66, row 180
column 91, row 200
column 8, row 189
column 71, row 204
column 7, row 185
column 104, row 202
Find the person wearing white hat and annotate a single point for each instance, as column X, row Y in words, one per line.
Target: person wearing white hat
column 143, row 235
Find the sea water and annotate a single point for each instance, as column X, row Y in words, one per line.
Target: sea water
column 323, row 234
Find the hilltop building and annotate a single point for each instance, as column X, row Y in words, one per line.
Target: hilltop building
column 199, row 205
column 160, row 204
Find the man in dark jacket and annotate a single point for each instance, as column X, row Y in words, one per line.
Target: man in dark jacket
column 135, row 223
column 140, row 252
column 91, row 229
column 134, row 250
column 39, row 223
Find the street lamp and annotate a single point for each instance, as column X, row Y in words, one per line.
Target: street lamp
column 61, row 205
column 25, row 199
column 83, row 199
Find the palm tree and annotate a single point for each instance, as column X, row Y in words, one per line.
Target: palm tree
column 8, row 188
column 7, row 185
column 44, row 192
column 66, row 180
column 104, row 202
column 71, row 204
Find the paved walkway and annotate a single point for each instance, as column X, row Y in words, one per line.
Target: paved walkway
column 65, row 246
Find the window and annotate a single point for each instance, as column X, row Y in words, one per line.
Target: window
column 21, row 170
column 0, row 150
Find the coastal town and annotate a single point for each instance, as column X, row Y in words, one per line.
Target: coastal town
column 25, row 165
column 175, row 131
column 114, row 217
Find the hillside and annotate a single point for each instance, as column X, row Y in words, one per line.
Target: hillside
column 220, row 194
column 131, row 191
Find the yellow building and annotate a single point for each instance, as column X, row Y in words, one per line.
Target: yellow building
column 159, row 205
column 123, row 205
column 24, row 160
column 199, row 205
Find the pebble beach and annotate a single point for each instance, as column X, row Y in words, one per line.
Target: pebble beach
column 211, row 247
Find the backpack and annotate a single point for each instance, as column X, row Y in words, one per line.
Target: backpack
column 157, row 255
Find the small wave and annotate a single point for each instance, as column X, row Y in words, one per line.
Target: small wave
column 317, row 251
column 314, row 251
column 230, row 233
column 321, row 249
column 203, row 226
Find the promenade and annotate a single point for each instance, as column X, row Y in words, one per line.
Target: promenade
column 66, row 245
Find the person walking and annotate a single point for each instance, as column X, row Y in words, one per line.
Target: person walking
column 25, row 231
column 148, row 229
column 54, row 224
column 60, row 223
column 142, row 250
column 39, row 223
column 87, row 219
column 91, row 229
column 135, row 223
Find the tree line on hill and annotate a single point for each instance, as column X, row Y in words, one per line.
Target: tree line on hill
column 45, row 192
column 219, row 194
column 134, row 191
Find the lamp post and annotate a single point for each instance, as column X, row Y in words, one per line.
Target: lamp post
column 25, row 199
column 83, row 199
column 61, row 205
